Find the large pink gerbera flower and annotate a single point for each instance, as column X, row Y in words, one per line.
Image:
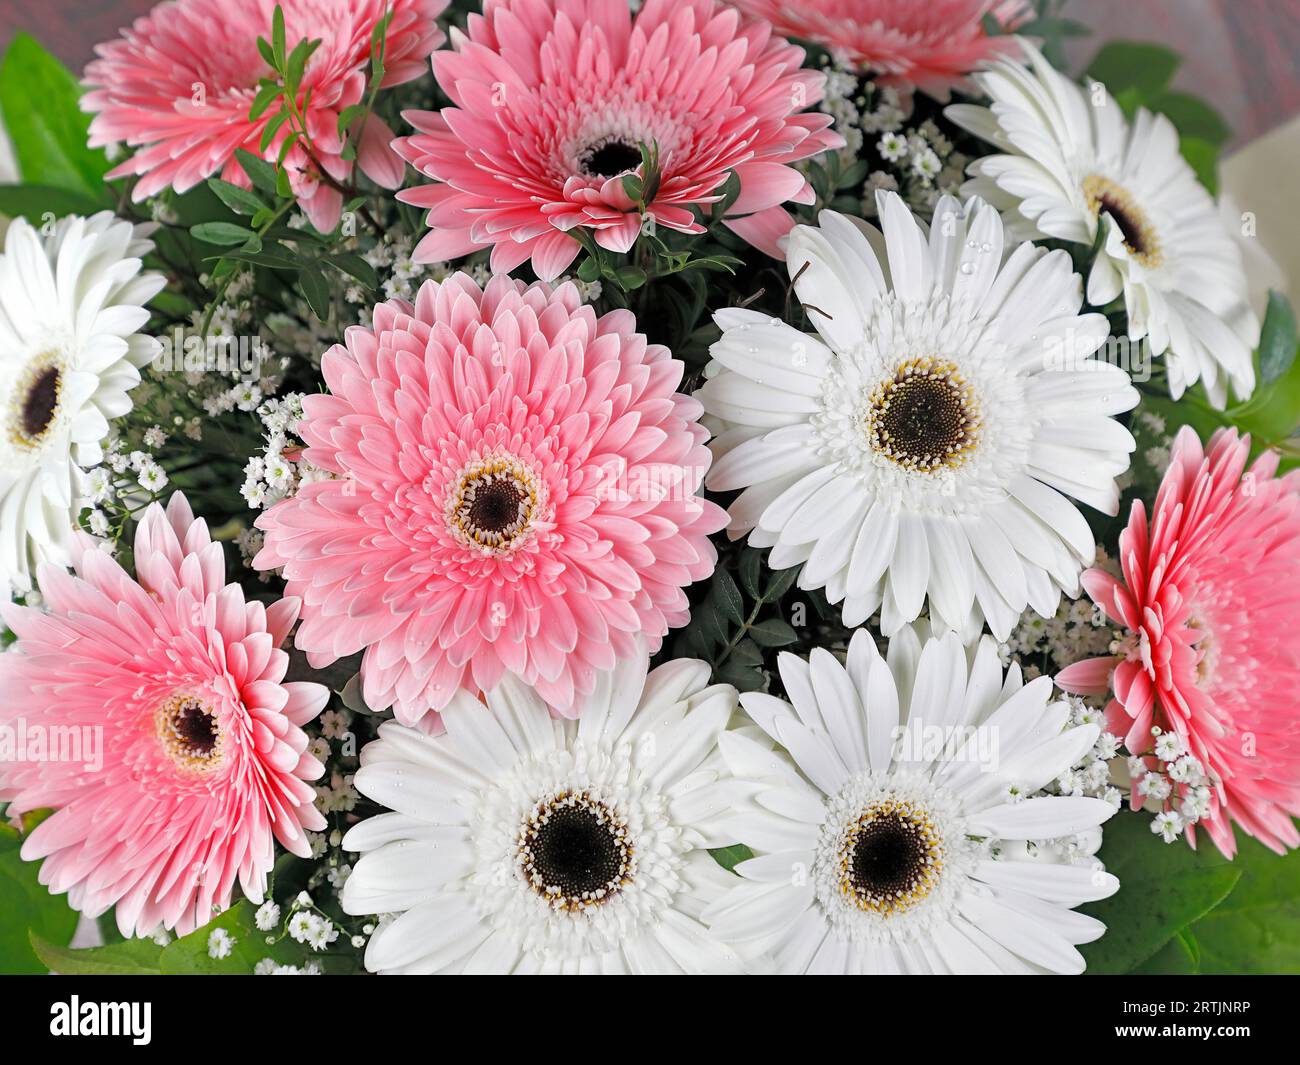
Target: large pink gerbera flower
column 928, row 44
column 553, row 99
column 153, row 716
column 180, row 82
column 1209, row 597
column 515, row 491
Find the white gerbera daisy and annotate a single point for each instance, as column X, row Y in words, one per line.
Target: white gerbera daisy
column 925, row 444
column 899, row 840
column 71, row 305
column 1075, row 163
column 521, row 843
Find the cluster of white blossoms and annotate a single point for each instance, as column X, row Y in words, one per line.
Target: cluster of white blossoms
column 917, row 161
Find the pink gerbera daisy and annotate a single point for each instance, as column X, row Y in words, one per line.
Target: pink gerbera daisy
column 187, row 756
column 515, row 490
column 553, row 101
column 927, row 44
column 180, row 82
column 1208, row 596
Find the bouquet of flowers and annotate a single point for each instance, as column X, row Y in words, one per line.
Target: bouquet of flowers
column 703, row 486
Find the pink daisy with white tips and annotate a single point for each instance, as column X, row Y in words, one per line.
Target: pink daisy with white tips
column 514, row 491
column 178, row 683
column 553, row 100
column 185, row 109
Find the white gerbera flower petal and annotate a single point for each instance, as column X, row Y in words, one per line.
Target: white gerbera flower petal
column 71, row 305
column 521, row 843
column 922, row 447
column 1074, row 163
column 911, row 860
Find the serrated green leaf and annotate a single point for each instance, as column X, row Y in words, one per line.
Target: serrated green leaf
column 131, row 957
column 45, row 124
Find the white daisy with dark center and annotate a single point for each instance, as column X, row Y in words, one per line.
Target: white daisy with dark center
column 1073, row 165
column 71, row 307
column 925, row 444
column 907, row 832
column 522, row 843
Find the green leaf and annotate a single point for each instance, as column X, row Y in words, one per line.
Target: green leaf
column 1277, row 339
column 1179, row 957
column 189, row 954
column 261, row 173
column 131, row 957
column 48, row 130
column 730, row 857
column 751, row 569
column 27, row 907
column 1203, row 158
column 1273, row 412
column 1191, row 116
column 1164, row 887
column 241, row 201
column 297, row 63
column 728, row 596
column 222, row 234
column 779, row 583
column 36, row 202
column 357, row 267
column 1257, row 928
column 315, row 290
column 277, row 37
column 266, row 96
column 773, row 633
column 1138, row 65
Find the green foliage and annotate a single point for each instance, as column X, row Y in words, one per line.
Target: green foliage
column 26, row 905
column 1163, row 889
column 1272, row 414
column 1182, row 911
column 1137, row 74
column 131, row 957
column 39, row 104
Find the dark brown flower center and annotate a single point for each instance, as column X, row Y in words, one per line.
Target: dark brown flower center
column 574, row 851
column 891, row 857
column 493, row 503
column 1105, row 196
column 610, row 158
column 924, row 418
column 496, row 505
column 190, row 732
column 36, row 403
